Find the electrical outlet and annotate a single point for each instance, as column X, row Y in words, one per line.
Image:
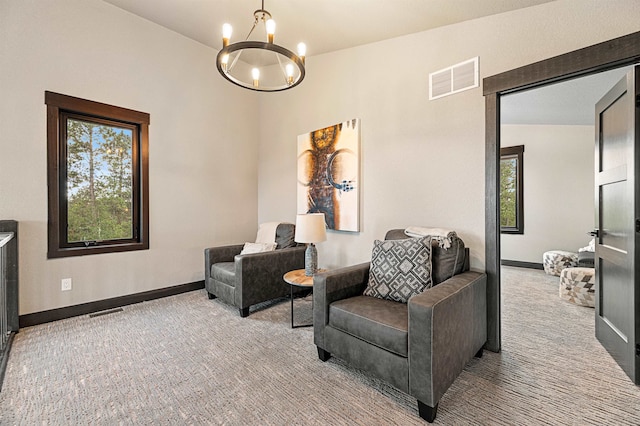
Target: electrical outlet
column 66, row 284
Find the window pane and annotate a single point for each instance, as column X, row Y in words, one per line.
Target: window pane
column 508, row 196
column 99, row 181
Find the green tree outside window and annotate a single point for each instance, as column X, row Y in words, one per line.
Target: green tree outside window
column 99, row 179
column 511, row 190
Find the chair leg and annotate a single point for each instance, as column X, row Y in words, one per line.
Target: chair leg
column 479, row 353
column 323, row 355
column 244, row 312
column 426, row 412
column 211, row 295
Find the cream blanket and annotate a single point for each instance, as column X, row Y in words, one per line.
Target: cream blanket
column 443, row 236
column 591, row 247
column 267, row 232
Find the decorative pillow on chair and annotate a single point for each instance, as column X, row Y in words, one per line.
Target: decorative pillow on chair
column 400, row 269
column 250, row 248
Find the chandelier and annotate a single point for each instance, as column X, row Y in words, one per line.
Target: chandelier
column 265, row 67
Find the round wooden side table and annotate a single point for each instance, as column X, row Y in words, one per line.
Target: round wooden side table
column 297, row 278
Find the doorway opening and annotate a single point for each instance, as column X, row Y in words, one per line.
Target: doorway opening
column 591, row 60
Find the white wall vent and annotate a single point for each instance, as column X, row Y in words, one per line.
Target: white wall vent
column 454, row 79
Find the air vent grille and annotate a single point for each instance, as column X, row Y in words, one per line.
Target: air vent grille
column 454, row 79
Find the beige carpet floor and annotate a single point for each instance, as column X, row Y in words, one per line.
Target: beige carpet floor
column 189, row 360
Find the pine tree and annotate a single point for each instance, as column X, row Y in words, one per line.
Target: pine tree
column 508, row 181
column 99, row 179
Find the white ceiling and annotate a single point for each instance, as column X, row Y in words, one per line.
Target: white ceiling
column 324, row 25
column 569, row 103
column 330, row 25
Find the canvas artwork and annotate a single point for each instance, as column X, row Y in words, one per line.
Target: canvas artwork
column 328, row 174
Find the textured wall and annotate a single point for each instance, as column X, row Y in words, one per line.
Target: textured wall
column 422, row 161
column 202, row 149
column 558, row 189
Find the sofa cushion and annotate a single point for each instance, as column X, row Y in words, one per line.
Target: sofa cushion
column 380, row 322
column 399, row 269
column 224, row 272
column 284, row 236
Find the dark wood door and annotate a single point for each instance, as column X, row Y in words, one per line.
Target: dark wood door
column 618, row 222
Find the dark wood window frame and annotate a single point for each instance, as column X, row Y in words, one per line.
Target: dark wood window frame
column 517, row 153
column 59, row 107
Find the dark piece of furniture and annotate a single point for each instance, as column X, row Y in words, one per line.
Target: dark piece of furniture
column 586, row 259
column 419, row 347
column 9, row 319
column 244, row 280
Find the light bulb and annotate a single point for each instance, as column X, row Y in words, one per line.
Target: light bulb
column 302, row 50
column 271, row 29
column 227, row 29
column 289, row 69
column 226, row 34
column 224, row 61
column 255, row 73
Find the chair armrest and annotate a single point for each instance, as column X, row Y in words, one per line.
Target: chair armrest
column 331, row 286
column 219, row 254
column 276, row 262
column 259, row 276
column 447, row 327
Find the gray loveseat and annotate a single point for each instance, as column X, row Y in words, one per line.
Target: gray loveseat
column 419, row 347
column 245, row 280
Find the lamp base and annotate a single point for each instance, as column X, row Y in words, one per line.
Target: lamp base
column 310, row 260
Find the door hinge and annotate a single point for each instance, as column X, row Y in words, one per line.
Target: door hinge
column 637, row 349
column 637, row 225
column 638, row 101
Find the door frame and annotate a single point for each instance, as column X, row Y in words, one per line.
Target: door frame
column 605, row 56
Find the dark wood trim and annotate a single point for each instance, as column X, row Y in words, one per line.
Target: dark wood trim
column 492, row 221
column 517, row 152
column 98, row 109
column 102, row 305
column 604, row 56
column 519, row 264
column 60, row 106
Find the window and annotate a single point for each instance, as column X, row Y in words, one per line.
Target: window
column 511, row 205
column 98, row 177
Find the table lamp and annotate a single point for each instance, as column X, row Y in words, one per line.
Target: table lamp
column 310, row 229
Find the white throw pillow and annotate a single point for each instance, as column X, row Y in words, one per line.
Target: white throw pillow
column 250, row 248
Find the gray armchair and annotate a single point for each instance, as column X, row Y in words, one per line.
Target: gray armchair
column 419, row 347
column 245, row 280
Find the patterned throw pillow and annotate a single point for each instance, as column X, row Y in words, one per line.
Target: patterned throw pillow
column 400, row 269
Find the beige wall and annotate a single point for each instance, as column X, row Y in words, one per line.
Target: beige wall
column 202, row 148
column 558, row 189
column 215, row 175
column 422, row 161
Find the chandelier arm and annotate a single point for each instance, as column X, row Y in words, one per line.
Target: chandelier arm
column 252, row 28
column 235, row 60
column 284, row 72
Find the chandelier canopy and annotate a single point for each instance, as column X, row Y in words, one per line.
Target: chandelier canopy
column 265, row 66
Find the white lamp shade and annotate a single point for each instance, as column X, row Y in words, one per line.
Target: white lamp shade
column 310, row 228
